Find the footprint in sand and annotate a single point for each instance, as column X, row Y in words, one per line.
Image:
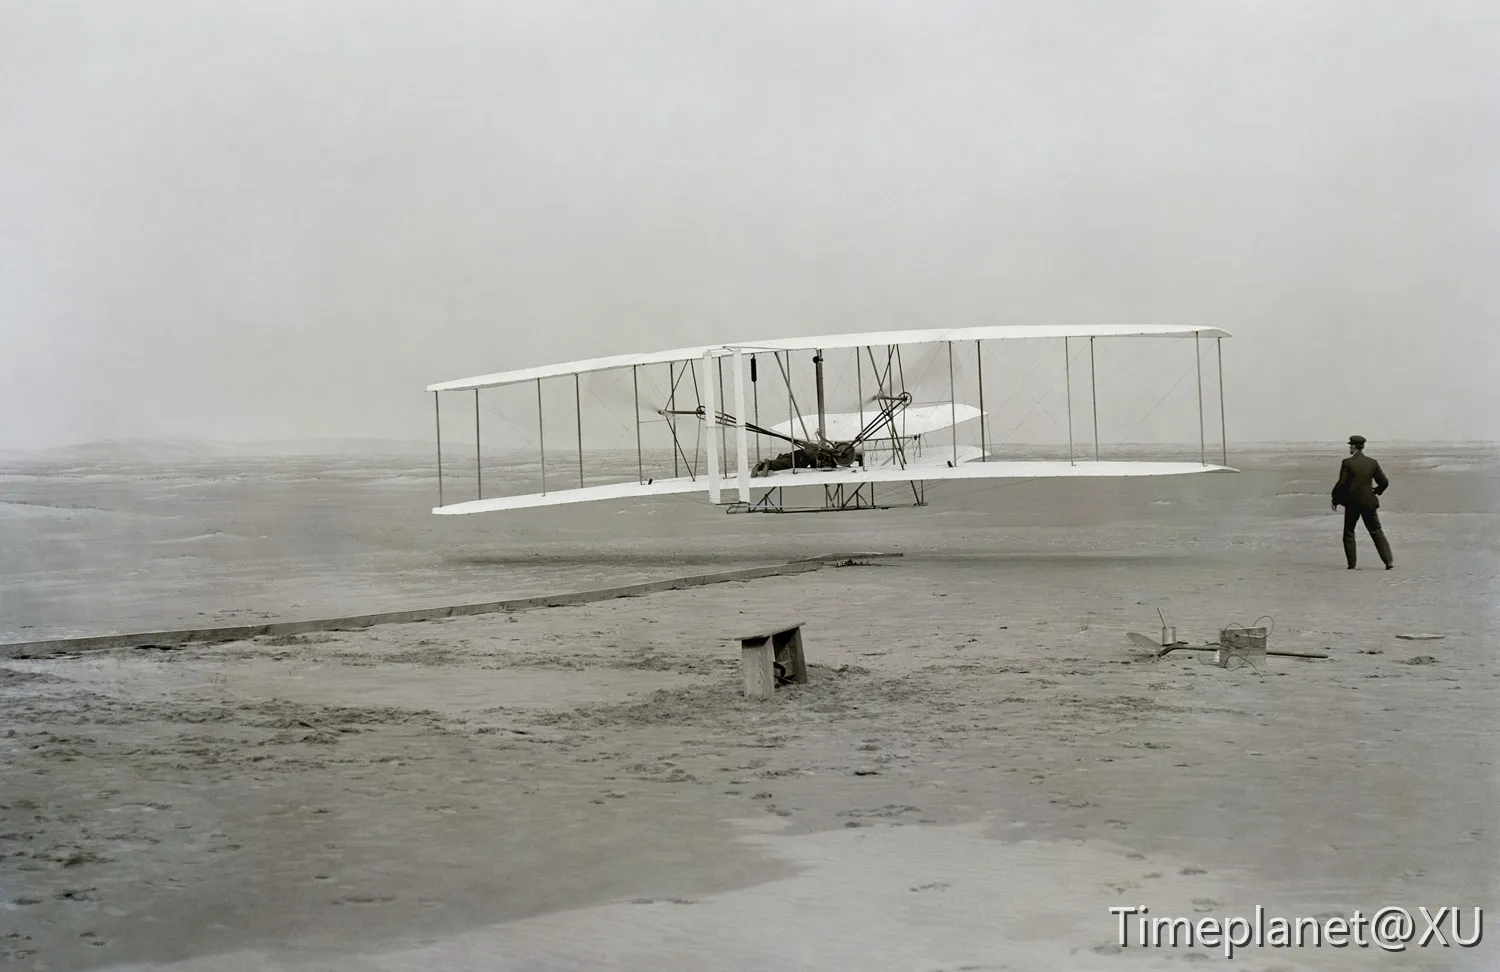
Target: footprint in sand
column 1192, row 870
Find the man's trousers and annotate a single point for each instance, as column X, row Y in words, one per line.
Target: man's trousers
column 1352, row 516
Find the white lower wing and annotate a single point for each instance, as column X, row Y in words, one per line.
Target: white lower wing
column 581, row 494
column 936, row 468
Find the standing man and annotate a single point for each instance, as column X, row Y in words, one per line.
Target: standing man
column 1361, row 481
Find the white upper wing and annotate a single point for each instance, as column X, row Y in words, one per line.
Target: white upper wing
column 834, row 341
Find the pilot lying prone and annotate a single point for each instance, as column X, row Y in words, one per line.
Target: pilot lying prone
column 831, row 457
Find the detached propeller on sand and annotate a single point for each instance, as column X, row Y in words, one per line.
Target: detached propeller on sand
column 1169, row 643
column 1154, row 650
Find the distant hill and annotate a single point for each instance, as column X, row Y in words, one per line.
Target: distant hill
column 144, row 449
column 127, row 449
column 330, row 447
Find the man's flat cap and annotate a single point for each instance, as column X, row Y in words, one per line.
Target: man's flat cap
column 1358, row 440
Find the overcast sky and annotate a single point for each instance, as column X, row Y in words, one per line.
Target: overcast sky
column 269, row 220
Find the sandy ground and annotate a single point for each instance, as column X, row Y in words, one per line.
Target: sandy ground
column 980, row 767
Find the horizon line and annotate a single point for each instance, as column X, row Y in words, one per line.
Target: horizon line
column 145, row 442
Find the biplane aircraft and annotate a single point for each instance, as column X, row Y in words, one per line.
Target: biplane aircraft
column 877, row 452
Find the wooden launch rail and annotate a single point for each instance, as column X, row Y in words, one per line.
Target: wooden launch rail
column 184, row 636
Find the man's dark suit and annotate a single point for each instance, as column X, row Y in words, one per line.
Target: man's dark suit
column 1361, row 481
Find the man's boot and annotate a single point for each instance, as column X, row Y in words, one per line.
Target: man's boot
column 1349, row 552
column 1384, row 548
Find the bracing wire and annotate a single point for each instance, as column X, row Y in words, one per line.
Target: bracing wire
column 1120, row 369
column 1125, row 441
